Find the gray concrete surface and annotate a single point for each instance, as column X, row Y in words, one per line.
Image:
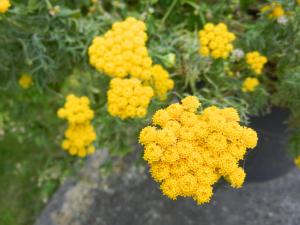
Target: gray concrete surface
column 129, row 197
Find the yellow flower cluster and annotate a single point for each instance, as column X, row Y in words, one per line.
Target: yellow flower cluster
column 274, row 10
column 216, row 41
column 297, row 161
column 250, row 84
column 189, row 152
column 122, row 50
column 4, row 5
column 80, row 133
column 161, row 81
column 25, row 81
column 298, row 1
column 256, row 61
column 128, row 98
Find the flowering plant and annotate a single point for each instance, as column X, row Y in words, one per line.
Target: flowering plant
column 108, row 67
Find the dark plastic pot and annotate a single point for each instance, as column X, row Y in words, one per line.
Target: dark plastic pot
column 269, row 159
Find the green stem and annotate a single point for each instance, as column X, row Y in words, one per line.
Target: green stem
column 197, row 7
column 49, row 5
column 168, row 12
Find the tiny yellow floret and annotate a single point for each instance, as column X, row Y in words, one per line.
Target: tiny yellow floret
column 189, row 152
column 25, row 81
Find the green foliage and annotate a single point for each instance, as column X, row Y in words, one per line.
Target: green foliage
column 246, row 4
column 51, row 45
column 29, row 175
column 288, row 93
column 294, row 143
column 44, row 43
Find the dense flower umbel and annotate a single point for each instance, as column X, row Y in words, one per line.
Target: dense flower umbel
column 256, row 61
column 128, row 98
column 161, row 81
column 250, row 84
column 122, row 50
column 216, row 41
column 297, row 161
column 25, row 81
column 189, row 152
column 4, row 5
column 80, row 133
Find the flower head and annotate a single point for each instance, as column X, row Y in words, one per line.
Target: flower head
column 25, row 81
column 80, row 133
column 4, row 5
column 250, row 84
column 256, row 61
column 273, row 10
column 277, row 11
column 216, row 41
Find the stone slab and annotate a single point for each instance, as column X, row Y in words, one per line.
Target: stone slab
column 129, row 197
